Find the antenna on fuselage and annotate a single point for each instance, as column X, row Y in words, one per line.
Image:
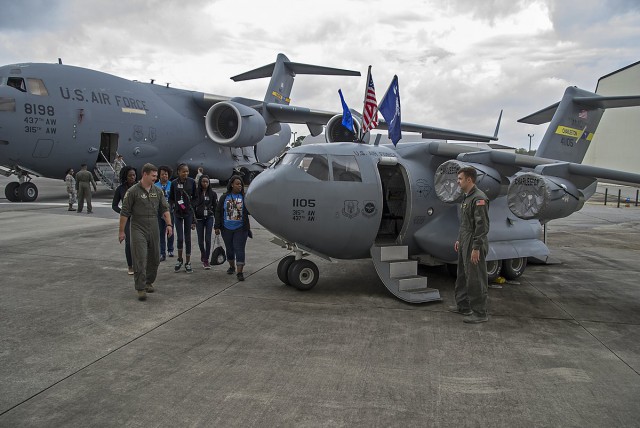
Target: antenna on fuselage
column 153, row 80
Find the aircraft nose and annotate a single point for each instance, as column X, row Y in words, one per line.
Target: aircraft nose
column 262, row 198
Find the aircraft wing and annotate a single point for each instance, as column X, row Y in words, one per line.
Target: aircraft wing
column 313, row 118
column 538, row 165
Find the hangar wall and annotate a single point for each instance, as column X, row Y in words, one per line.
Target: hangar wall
column 616, row 143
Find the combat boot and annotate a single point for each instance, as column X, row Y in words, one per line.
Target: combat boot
column 71, row 208
column 475, row 319
column 149, row 288
column 142, row 295
column 456, row 310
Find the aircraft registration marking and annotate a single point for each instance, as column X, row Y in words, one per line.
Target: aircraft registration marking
column 573, row 132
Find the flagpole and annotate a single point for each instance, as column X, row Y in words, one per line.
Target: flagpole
column 364, row 103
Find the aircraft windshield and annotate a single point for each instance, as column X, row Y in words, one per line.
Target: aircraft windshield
column 33, row 86
column 345, row 168
column 314, row 165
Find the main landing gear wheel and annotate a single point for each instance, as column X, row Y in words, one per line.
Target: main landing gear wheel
column 303, row 274
column 494, row 268
column 514, row 268
column 283, row 269
column 28, row 192
column 11, row 191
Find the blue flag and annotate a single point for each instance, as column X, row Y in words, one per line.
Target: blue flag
column 390, row 109
column 347, row 119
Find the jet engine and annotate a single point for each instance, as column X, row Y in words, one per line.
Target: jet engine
column 335, row 132
column 543, row 197
column 446, row 181
column 232, row 124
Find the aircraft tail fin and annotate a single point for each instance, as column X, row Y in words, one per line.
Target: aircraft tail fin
column 282, row 73
column 573, row 122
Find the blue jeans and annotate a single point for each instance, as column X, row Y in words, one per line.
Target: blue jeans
column 183, row 230
column 204, row 227
column 235, row 241
column 163, row 236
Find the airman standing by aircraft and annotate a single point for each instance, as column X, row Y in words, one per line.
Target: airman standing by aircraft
column 181, row 198
column 142, row 203
column 472, row 246
column 70, row 181
column 84, row 181
column 118, row 164
column 198, row 175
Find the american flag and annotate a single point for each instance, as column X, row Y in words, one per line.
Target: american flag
column 583, row 114
column 370, row 110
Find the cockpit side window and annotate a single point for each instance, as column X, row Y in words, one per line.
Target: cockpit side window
column 17, row 82
column 345, row 168
column 314, row 165
column 36, row 87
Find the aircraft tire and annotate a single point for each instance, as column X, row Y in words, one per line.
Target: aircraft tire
column 283, row 269
column 11, row 191
column 303, row 274
column 494, row 269
column 28, row 192
column 514, row 268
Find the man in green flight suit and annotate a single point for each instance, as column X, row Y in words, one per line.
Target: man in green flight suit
column 84, row 180
column 144, row 202
column 472, row 246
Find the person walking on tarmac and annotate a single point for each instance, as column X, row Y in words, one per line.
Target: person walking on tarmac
column 166, row 242
column 472, row 246
column 204, row 209
column 84, row 181
column 70, row 181
column 142, row 203
column 127, row 177
column 181, row 198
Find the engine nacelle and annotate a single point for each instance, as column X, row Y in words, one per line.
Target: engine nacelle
column 234, row 125
column 543, row 197
column 335, row 132
column 446, row 181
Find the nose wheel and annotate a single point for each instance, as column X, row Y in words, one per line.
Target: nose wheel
column 302, row 274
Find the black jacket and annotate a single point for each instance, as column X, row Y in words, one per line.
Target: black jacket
column 187, row 194
column 202, row 203
column 219, row 222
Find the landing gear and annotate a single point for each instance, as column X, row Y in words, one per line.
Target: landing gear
column 302, row 274
column 494, row 268
column 513, row 268
column 11, row 191
column 247, row 175
column 28, row 192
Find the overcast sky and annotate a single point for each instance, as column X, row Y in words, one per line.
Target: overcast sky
column 458, row 62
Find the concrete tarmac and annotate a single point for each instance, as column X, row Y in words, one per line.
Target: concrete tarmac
column 562, row 347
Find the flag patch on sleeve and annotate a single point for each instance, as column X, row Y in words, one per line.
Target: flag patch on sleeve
column 480, row 202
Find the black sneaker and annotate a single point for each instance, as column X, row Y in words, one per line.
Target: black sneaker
column 163, row 258
column 230, row 271
column 240, row 276
column 178, row 265
column 170, row 253
column 187, row 267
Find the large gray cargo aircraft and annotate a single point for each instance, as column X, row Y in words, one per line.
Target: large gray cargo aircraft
column 55, row 116
column 399, row 205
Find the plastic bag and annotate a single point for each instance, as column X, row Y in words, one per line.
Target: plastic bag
column 218, row 256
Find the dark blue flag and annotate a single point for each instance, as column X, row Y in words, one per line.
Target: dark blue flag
column 390, row 109
column 347, row 119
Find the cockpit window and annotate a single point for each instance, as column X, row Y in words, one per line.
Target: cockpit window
column 345, row 168
column 36, row 87
column 17, row 82
column 314, row 165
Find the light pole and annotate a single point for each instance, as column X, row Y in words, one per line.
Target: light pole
column 530, row 137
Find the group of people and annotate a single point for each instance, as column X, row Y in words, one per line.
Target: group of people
column 153, row 207
column 79, row 188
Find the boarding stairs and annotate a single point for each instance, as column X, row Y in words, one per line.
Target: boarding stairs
column 400, row 274
column 106, row 174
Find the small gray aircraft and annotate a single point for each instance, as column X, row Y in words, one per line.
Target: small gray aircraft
column 55, row 116
column 397, row 205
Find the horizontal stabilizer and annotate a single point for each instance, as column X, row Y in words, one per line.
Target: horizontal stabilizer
column 541, row 116
column 294, row 68
column 609, row 102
